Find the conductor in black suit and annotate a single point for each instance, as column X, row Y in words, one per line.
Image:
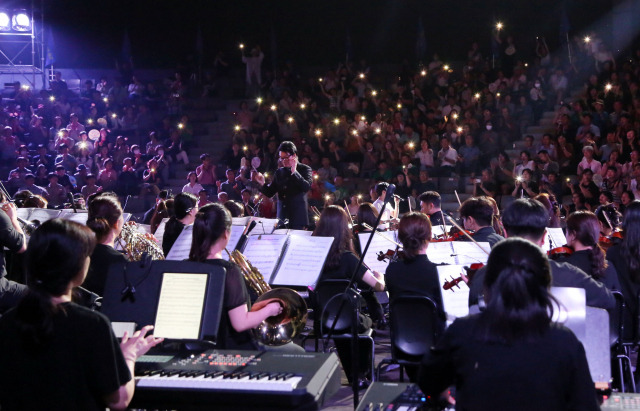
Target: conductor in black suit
column 291, row 182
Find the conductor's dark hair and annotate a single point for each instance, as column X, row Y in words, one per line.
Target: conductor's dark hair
column 631, row 242
column 479, row 208
column 288, row 147
column 414, row 232
column 380, row 187
column 210, row 224
column 334, row 222
column 183, row 203
column 103, row 214
column 525, row 218
column 432, row 197
column 68, row 245
column 516, row 289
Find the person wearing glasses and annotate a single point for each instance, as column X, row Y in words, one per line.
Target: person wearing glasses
column 291, row 182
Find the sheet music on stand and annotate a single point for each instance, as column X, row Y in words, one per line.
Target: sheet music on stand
column 289, row 231
column 436, row 230
column 456, row 299
column 379, row 243
column 263, row 252
column 236, row 233
column 144, row 228
column 159, row 234
column 555, row 238
column 264, row 226
column 79, row 217
column 40, row 214
column 302, row 262
column 181, row 248
column 458, row 252
column 243, row 221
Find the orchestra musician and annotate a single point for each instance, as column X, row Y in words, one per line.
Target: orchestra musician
column 340, row 265
column 625, row 257
column 55, row 354
column 367, row 214
column 477, row 216
column 291, row 182
column 389, row 212
column 528, row 218
column 414, row 274
column 211, row 232
column 430, row 202
column 12, row 237
column 106, row 221
column 583, row 233
column 185, row 206
column 512, row 352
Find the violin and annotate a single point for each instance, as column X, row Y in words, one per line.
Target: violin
column 391, row 255
column 606, row 241
column 471, row 271
column 454, row 235
column 558, row 252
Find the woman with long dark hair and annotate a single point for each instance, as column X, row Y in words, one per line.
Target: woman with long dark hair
column 55, row 354
column 512, row 352
column 342, row 260
column 625, row 257
column 583, row 234
column 414, row 274
column 211, row 232
column 106, row 221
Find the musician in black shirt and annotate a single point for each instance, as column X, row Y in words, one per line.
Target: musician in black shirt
column 11, row 237
column 185, row 206
column 512, row 355
column 55, row 354
column 430, row 205
column 211, row 232
column 477, row 216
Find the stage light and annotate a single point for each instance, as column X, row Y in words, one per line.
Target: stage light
column 5, row 21
column 20, row 21
column 499, row 26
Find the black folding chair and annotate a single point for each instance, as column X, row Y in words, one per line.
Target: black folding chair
column 415, row 326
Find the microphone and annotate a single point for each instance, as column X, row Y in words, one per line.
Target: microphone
column 243, row 238
column 390, row 192
column 73, row 203
column 398, row 197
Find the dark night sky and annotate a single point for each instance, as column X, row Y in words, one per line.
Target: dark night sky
column 163, row 32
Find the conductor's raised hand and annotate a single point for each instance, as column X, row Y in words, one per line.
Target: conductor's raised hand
column 258, row 177
column 139, row 343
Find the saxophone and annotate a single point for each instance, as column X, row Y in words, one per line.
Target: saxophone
column 279, row 329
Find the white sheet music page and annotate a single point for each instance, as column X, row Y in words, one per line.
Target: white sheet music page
column 456, row 299
column 263, row 252
column 303, row 261
column 264, row 226
column 442, row 253
column 24, row 212
column 79, row 217
column 236, row 233
column 240, row 221
column 159, row 234
column 437, row 230
column 180, row 305
column 467, row 252
column 43, row 214
column 288, row 231
column 555, row 238
column 181, row 248
column 378, row 244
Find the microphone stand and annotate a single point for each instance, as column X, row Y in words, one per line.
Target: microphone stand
column 351, row 294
